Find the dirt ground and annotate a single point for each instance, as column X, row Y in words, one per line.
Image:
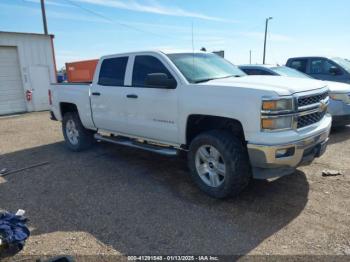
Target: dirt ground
column 113, row 200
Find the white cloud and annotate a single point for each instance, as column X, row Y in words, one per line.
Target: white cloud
column 48, row 2
column 60, row 15
column 75, row 17
column 152, row 7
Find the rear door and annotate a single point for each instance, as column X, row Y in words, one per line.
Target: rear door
column 108, row 93
column 152, row 112
column 299, row 64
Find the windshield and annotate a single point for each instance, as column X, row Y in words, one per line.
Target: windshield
column 202, row 67
column 343, row 63
column 287, row 71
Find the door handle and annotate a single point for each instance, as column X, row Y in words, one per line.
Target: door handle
column 96, row 93
column 132, row 96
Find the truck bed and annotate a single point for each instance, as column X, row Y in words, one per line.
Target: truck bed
column 77, row 94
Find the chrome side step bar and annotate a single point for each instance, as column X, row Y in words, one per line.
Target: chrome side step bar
column 167, row 151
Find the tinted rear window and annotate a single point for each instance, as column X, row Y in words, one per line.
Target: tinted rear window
column 112, row 71
column 299, row 64
column 254, row 71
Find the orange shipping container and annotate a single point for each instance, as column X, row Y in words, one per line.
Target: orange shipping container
column 81, row 71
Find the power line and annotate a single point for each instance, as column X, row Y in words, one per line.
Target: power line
column 111, row 20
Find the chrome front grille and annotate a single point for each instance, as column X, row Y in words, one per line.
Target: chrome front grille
column 310, row 119
column 314, row 99
column 310, row 109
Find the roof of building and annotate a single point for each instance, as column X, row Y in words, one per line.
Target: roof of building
column 27, row 33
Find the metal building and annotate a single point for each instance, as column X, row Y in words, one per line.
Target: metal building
column 27, row 67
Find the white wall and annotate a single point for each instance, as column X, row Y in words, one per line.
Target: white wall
column 33, row 50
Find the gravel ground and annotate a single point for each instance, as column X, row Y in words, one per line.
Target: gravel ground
column 113, row 200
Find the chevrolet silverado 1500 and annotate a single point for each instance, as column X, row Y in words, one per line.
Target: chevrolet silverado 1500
column 233, row 127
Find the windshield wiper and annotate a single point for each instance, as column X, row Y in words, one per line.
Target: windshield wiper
column 214, row 78
column 231, row 76
column 204, row 80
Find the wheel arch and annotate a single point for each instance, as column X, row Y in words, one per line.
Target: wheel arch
column 67, row 107
column 197, row 123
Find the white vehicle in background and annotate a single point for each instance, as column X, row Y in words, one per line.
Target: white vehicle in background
column 339, row 105
column 234, row 127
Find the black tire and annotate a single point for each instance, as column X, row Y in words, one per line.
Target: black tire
column 235, row 156
column 85, row 137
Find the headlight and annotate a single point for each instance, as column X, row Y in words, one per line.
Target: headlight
column 277, row 105
column 277, row 123
column 277, row 114
column 340, row 97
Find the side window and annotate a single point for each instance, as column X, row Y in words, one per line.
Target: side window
column 262, row 72
column 253, row 71
column 248, row 71
column 323, row 66
column 329, row 66
column 112, row 71
column 316, row 66
column 299, row 64
column 144, row 65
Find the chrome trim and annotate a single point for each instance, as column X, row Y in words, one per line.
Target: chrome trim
column 274, row 98
column 275, row 130
column 264, row 99
column 308, row 107
column 264, row 155
column 312, row 93
column 159, row 149
column 304, row 108
column 280, row 112
column 303, row 113
column 296, row 112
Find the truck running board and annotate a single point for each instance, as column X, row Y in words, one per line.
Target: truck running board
column 167, row 151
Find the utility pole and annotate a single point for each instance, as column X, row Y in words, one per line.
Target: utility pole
column 250, row 57
column 266, row 25
column 44, row 16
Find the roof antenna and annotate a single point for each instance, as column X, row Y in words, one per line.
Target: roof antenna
column 192, row 49
column 192, row 39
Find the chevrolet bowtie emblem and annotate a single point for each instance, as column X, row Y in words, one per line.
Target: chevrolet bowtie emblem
column 323, row 105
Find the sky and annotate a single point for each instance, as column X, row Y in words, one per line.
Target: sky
column 88, row 29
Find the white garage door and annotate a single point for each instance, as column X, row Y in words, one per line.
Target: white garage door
column 12, row 99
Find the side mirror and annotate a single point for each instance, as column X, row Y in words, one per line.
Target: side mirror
column 160, row 80
column 333, row 70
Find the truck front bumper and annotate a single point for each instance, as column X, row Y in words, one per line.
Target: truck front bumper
column 270, row 161
column 340, row 112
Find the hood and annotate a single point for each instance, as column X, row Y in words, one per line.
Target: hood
column 280, row 84
column 337, row 87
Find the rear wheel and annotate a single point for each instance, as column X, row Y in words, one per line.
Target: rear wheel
column 219, row 163
column 76, row 136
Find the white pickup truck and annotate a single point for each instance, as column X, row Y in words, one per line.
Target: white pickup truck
column 233, row 127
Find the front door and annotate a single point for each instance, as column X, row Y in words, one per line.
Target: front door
column 320, row 68
column 152, row 112
column 108, row 96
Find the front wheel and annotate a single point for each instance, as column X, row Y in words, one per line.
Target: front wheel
column 76, row 136
column 219, row 163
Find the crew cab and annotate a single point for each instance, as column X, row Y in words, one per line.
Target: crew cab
column 232, row 127
column 323, row 68
column 339, row 103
